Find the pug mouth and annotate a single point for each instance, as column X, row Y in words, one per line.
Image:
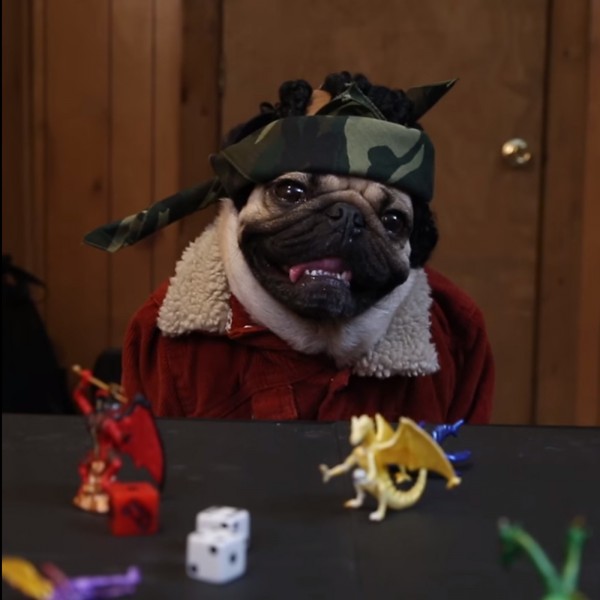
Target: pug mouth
column 321, row 271
column 317, row 288
column 313, row 278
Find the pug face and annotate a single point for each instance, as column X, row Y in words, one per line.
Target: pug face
column 325, row 246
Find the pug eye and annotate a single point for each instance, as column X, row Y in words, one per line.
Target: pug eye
column 394, row 221
column 290, row 191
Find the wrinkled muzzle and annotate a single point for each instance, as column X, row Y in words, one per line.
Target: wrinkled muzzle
column 324, row 263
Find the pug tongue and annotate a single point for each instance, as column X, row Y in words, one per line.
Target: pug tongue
column 329, row 265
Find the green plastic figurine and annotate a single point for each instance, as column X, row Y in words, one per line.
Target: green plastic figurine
column 559, row 586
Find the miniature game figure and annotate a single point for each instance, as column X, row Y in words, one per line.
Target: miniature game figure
column 379, row 448
column 117, row 426
column 515, row 540
column 50, row 583
column 440, row 432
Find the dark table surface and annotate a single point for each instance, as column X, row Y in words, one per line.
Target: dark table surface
column 304, row 543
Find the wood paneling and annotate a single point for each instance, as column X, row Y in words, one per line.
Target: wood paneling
column 93, row 127
column 166, row 93
column 144, row 147
column 560, row 233
column 77, row 173
column 131, row 139
column 35, row 130
column 587, row 409
column 200, row 102
column 22, row 214
column 13, row 73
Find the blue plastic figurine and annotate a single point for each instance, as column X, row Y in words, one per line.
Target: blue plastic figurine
column 441, row 432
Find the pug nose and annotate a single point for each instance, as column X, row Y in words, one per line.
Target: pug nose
column 347, row 216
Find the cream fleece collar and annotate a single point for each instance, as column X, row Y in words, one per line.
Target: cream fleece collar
column 391, row 338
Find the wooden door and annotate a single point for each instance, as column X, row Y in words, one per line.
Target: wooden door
column 488, row 212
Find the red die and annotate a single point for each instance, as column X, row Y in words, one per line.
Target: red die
column 133, row 508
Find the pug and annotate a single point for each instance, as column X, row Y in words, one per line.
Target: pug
column 320, row 260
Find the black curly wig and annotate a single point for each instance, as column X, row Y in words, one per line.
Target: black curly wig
column 294, row 99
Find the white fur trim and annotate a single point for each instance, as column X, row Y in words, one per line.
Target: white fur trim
column 406, row 348
column 391, row 338
column 198, row 294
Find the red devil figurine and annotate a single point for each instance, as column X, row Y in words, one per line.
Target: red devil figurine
column 117, row 426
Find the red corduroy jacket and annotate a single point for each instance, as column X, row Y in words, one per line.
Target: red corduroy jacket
column 249, row 373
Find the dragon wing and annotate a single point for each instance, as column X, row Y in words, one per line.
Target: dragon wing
column 142, row 439
column 413, row 448
column 384, row 430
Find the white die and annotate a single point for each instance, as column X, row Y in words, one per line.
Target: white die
column 224, row 518
column 215, row 556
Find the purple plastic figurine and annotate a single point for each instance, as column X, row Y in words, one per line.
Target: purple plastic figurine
column 91, row 587
column 50, row 583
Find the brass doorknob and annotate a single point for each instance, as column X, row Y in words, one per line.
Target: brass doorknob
column 516, row 152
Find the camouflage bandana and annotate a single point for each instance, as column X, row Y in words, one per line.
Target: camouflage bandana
column 347, row 136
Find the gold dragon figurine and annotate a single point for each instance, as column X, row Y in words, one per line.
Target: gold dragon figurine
column 378, row 448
